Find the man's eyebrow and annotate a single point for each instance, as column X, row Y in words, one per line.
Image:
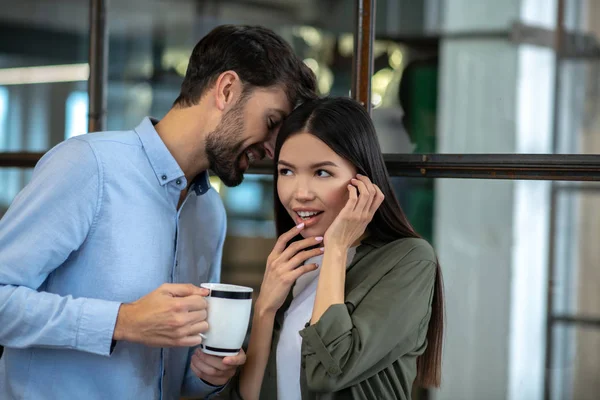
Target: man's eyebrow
column 281, row 113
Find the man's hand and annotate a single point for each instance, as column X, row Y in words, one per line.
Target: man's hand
column 172, row 315
column 216, row 370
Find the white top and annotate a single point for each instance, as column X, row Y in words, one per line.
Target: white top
column 295, row 319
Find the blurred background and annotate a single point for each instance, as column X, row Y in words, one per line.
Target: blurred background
column 449, row 76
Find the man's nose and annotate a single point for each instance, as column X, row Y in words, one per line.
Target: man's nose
column 269, row 146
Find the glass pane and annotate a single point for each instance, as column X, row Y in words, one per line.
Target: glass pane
column 577, row 362
column 12, row 180
column 576, row 255
column 44, row 60
column 579, row 131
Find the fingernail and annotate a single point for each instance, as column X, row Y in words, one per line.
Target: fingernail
column 322, row 249
column 319, row 238
column 358, row 175
column 300, row 226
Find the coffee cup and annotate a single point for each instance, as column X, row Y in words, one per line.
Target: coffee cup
column 229, row 308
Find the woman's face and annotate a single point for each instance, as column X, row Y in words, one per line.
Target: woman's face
column 312, row 182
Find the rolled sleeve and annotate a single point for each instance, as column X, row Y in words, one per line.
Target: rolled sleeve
column 323, row 338
column 348, row 345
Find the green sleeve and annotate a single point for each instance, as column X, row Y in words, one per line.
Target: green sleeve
column 348, row 345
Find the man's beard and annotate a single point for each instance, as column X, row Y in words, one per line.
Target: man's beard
column 224, row 145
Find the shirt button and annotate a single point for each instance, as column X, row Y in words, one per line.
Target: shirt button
column 178, row 181
column 164, row 177
column 333, row 370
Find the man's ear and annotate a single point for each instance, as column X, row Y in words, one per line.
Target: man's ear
column 228, row 88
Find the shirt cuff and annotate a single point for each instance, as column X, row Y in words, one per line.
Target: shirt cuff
column 96, row 326
column 320, row 339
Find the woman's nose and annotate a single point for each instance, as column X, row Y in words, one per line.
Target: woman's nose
column 303, row 193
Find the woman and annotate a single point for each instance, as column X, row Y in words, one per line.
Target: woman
column 351, row 304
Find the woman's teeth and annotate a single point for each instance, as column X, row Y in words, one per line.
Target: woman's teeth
column 307, row 214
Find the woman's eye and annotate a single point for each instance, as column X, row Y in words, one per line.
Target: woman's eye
column 321, row 173
column 284, row 171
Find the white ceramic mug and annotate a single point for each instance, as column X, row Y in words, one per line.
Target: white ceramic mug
column 229, row 308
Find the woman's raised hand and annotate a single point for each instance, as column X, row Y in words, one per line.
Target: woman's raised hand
column 350, row 224
column 284, row 266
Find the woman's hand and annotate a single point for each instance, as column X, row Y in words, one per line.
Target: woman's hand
column 284, row 266
column 351, row 222
column 216, row 370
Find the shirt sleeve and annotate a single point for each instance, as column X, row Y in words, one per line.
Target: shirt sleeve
column 47, row 221
column 347, row 345
column 192, row 385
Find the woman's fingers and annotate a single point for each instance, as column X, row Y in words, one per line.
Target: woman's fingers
column 296, row 247
column 379, row 197
column 367, row 193
column 298, row 272
column 283, row 240
column 301, row 257
column 352, row 200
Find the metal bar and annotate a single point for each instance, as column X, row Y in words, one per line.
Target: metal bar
column 465, row 166
column 485, row 166
column 558, row 50
column 19, row 160
column 575, row 45
column 98, row 59
column 362, row 66
column 578, row 189
column 576, row 320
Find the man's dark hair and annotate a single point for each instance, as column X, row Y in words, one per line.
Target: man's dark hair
column 258, row 55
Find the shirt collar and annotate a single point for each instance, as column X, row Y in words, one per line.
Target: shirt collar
column 163, row 163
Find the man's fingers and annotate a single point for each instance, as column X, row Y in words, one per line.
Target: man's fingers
column 188, row 341
column 189, row 303
column 195, row 329
column 196, row 316
column 184, row 289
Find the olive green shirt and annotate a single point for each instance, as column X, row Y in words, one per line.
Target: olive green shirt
column 367, row 348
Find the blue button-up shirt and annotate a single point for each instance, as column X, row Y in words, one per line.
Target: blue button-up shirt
column 98, row 226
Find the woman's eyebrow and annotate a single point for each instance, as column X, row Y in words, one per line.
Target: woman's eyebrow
column 313, row 166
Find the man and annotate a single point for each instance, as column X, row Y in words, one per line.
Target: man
column 102, row 253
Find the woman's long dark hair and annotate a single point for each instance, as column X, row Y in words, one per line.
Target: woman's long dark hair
column 346, row 127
